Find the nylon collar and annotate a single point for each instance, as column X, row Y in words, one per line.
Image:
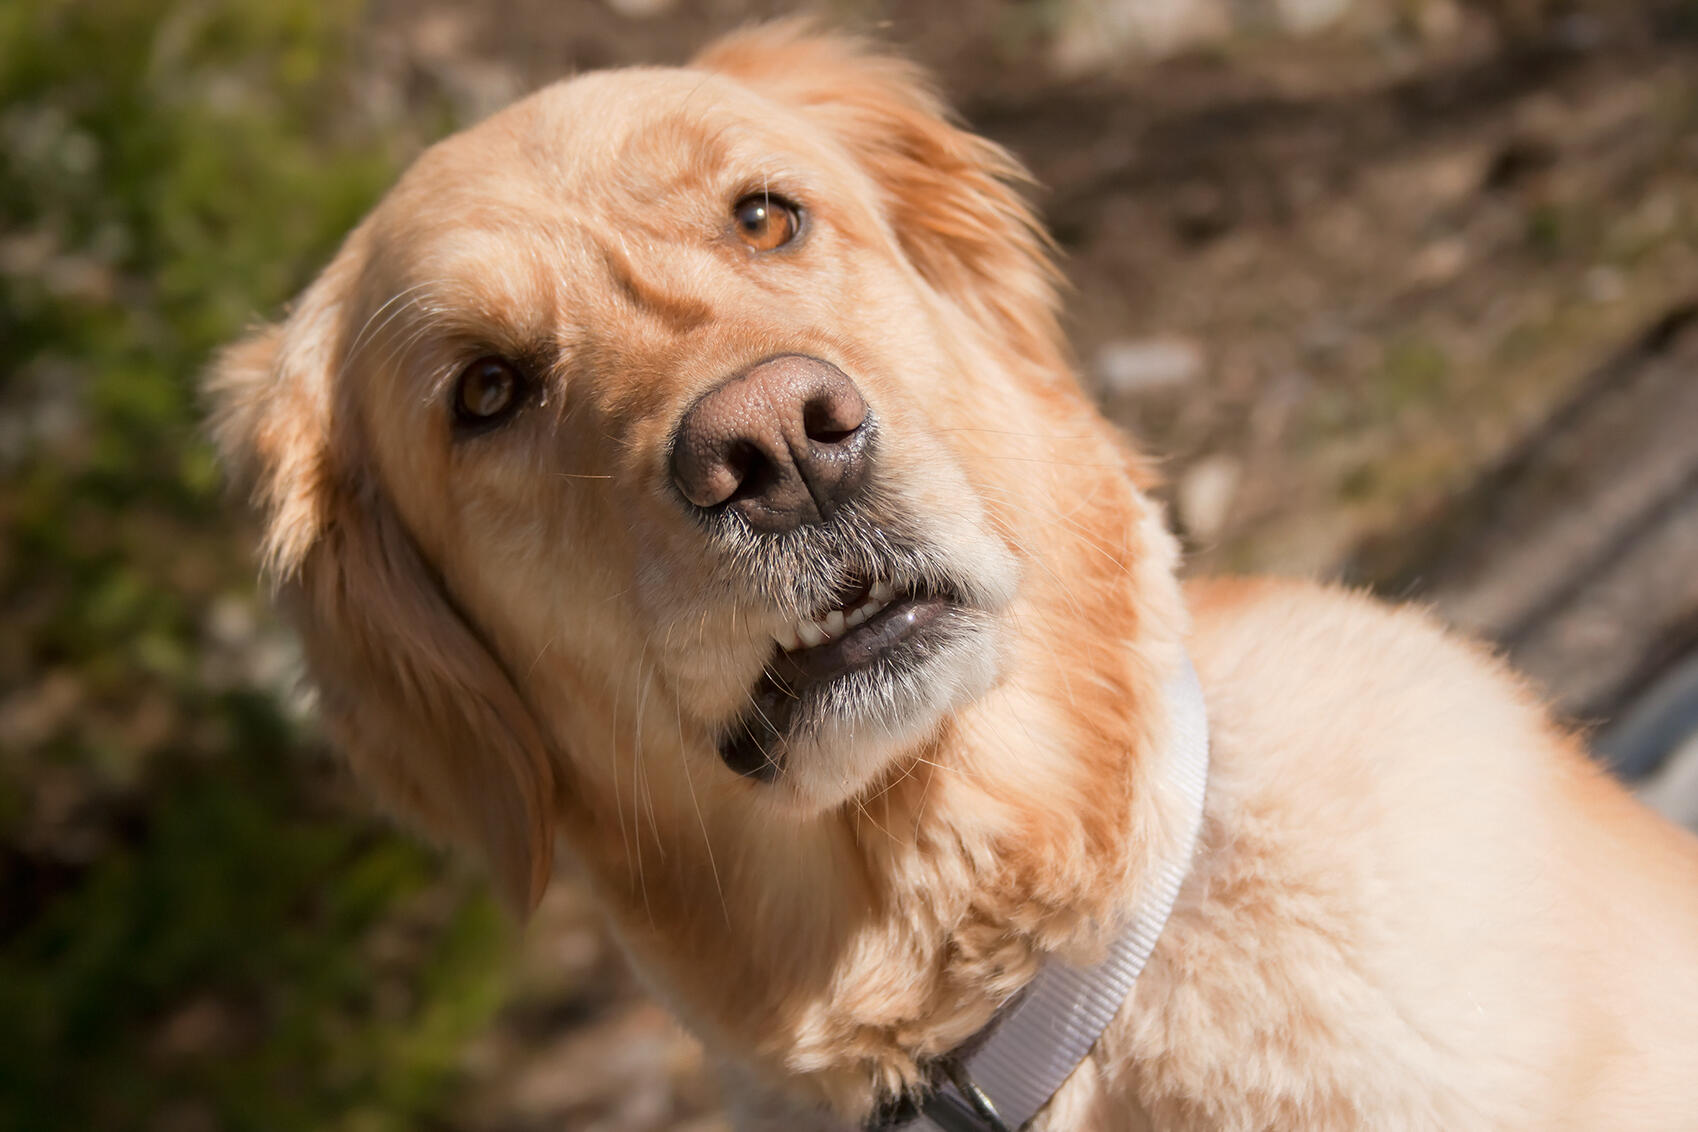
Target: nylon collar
column 999, row 1079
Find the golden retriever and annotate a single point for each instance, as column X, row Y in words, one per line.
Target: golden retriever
column 686, row 465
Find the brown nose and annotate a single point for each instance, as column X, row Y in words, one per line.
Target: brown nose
column 784, row 443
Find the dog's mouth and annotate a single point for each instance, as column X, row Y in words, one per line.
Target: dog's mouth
column 842, row 663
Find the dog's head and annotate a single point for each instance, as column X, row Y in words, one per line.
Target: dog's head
column 696, row 434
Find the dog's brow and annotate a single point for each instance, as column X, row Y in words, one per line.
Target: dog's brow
column 678, row 152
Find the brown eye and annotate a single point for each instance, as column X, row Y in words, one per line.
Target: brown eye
column 766, row 222
column 487, row 391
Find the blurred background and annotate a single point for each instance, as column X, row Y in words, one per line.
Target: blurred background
column 1403, row 292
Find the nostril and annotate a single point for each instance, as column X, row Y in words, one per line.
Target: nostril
column 754, row 474
column 713, row 471
column 833, row 416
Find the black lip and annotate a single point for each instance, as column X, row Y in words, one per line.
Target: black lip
column 753, row 748
column 866, row 642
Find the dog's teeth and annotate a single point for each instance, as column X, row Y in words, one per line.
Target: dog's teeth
column 809, row 632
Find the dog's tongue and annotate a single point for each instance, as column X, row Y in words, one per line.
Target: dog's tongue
column 754, row 747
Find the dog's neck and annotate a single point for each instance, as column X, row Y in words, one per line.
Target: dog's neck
column 1003, row 1075
column 844, row 953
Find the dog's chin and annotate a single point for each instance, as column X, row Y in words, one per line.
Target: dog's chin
column 828, row 723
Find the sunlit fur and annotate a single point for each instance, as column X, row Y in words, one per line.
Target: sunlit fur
column 1414, row 905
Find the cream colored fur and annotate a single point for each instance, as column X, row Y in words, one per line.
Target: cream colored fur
column 1415, row 905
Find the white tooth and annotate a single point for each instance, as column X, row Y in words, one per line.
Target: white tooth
column 873, row 607
column 810, row 633
column 881, row 592
column 859, row 614
column 787, row 639
column 834, row 623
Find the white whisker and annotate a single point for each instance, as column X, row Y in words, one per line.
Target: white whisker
column 690, row 781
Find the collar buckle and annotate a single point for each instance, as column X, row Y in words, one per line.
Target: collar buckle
column 967, row 1109
column 955, row 1103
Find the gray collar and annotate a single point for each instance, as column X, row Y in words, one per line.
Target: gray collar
column 999, row 1079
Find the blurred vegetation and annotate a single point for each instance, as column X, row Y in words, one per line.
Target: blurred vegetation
column 195, row 933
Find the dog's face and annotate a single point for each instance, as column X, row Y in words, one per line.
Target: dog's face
column 698, row 428
column 649, row 378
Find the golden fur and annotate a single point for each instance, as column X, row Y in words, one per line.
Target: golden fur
column 1415, row 905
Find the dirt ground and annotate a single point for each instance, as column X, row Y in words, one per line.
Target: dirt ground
column 1332, row 283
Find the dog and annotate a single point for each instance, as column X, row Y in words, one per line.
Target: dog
column 686, row 465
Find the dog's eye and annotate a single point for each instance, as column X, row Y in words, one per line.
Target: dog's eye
column 488, row 390
column 766, row 222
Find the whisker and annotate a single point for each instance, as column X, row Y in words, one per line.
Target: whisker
column 960, row 770
column 400, row 348
column 1014, row 432
column 360, row 338
column 690, row 782
column 546, row 645
column 613, row 751
column 1079, row 528
column 884, row 791
column 862, row 808
column 640, row 763
column 1052, row 463
column 639, row 783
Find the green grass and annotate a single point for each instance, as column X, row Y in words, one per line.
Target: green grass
column 195, row 927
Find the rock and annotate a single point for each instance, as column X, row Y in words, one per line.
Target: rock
column 1097, row 33
column 1604, row 284
column 1438, row 21
column 1132, row 366
column 1305, row 17
column 1438, row 262
column 1205, row 494
column 641, row 9
column 231, row 621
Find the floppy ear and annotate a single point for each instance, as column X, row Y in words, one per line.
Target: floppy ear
column 950, row 196
column 427, row 715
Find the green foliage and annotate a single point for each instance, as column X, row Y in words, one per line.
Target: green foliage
column 194, row 930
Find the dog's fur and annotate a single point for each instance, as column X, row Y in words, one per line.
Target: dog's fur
column 1414, row 904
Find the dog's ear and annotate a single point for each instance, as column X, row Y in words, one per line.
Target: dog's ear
column 427, row 715
column 952, row 198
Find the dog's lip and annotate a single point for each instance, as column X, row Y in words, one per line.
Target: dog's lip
column 752, row 747
column 863, row 600
column 862, row 644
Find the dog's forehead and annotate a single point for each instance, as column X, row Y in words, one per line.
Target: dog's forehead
column 497, row 231
column 607, row 140
column 638, row 157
